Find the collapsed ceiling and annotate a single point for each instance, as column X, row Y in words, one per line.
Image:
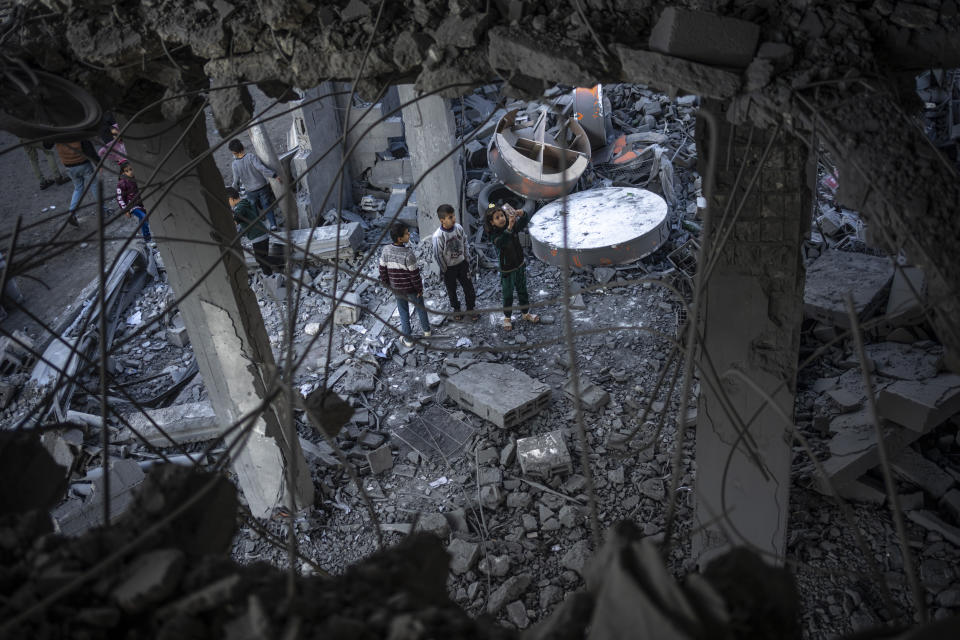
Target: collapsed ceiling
column 837, row 74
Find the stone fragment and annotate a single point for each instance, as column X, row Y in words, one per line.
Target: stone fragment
column 549, row 595
column 491, row 496
column 125, row 477
column 488, row 475
column 431, row 380
column 380, row 460
column 496, row 566
column 705, row 37
column 311, row 328
column 463, row 555
column 487, row 456
column 371, row 439
column 569, row 516
column 576, row 557
column 508, row 454
column 846, row 400
column 497, row 392
column 903, row 304
column 510, row 590
column 434, row 523
column 863, row 490
column 177, row 333
column 929, row 520
column 518, row 500
column 544, row 454
column 517, row 614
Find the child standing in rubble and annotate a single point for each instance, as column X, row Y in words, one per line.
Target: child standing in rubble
column 451, row 250
column 503, row 224
column 128, row 197
column 399, row 272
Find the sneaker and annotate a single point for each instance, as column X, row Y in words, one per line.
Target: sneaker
column 507, row 324
column 407, row 342
column 45, row 184
column 151, row 244
column 61, row 179
column 427, row 334
column 273, row 227
column 73, row 220
column 457, row 316
column 473, row 316
column 531, row 318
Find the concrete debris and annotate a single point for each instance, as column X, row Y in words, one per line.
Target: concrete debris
column 323, row 242
column 907, row 297
column 543, row 455
column 149, row 580
column 348, row 309
column 834, row 274
column 499, row 393
column 592, row 397
column 576, row 557
column 913, row 467
column 705, row 37
column 920, row 405
column 509, row 591
column 74, row 517
column 380, row 460
column 463, row 555
column 179, row 424
column 929, row 520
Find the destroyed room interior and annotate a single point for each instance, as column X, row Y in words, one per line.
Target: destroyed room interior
column 683, row 358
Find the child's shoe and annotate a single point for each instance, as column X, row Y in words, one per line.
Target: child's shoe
column 61, row 179
column 532, row 318
column 457, row 316
column 507, row 324
column 45, row 183
column 427, row 334
column 407, row 342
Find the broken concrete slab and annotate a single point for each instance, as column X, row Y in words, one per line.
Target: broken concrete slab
column 863, row 490
column 509, row 591
column 904, row 361
column 322, row 452
column 920, row 405
column 834, row 274
column 125, row 476
column 323, row 241
column 853, row 450
column 913, row 467
column 930, row 521
column 904, row 306
column 177, row 332
column 846, row 400
column 497, row 392
column 184, row 423
column 544, row 454
column 592, row 397
column 348, row 309
column 705, row 37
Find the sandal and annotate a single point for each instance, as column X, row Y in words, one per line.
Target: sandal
column 507, row 325
column 532, row 318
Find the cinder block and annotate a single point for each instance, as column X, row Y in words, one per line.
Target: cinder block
column 705, row 37
column 544, row 454
column 497, row 392
column 177, row 335
column 348, row 310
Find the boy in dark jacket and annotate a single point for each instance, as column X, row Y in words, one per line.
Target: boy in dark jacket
column 245, row 215
column 451, row 250
column 399, row 272
column 128, row 197
column 503, row 224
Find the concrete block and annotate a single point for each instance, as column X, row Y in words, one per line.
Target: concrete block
column 846, row 400
column 544, row 454
column 386, row 173
column 592, row 397
column 913, row 467
column 463, row 555
column 194, row 422
column 177, row 336
column 705, row 37
column 863, row 490
column 380, row 460
column 904, row 306
column 497, row 392
column 348, row 310
column 835, row 273
column 322, row 453
column 920, row 405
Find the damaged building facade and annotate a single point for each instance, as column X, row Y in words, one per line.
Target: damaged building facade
column 754, row 346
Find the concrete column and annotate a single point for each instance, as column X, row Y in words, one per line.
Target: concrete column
column 429, row 128
column 221, row 315
column 281, row 188
column 752, row 310
column 319, row 129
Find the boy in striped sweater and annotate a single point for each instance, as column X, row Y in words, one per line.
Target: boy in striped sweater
column 399, row 272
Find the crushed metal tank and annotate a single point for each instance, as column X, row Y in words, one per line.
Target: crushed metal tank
column 529, row 160
column 608, row 226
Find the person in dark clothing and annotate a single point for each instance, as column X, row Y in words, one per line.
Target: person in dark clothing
column 502, row 225
column 245, row 215
column 250, row 171
column 77, row 158
column 128, row 197
column 451, row 250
